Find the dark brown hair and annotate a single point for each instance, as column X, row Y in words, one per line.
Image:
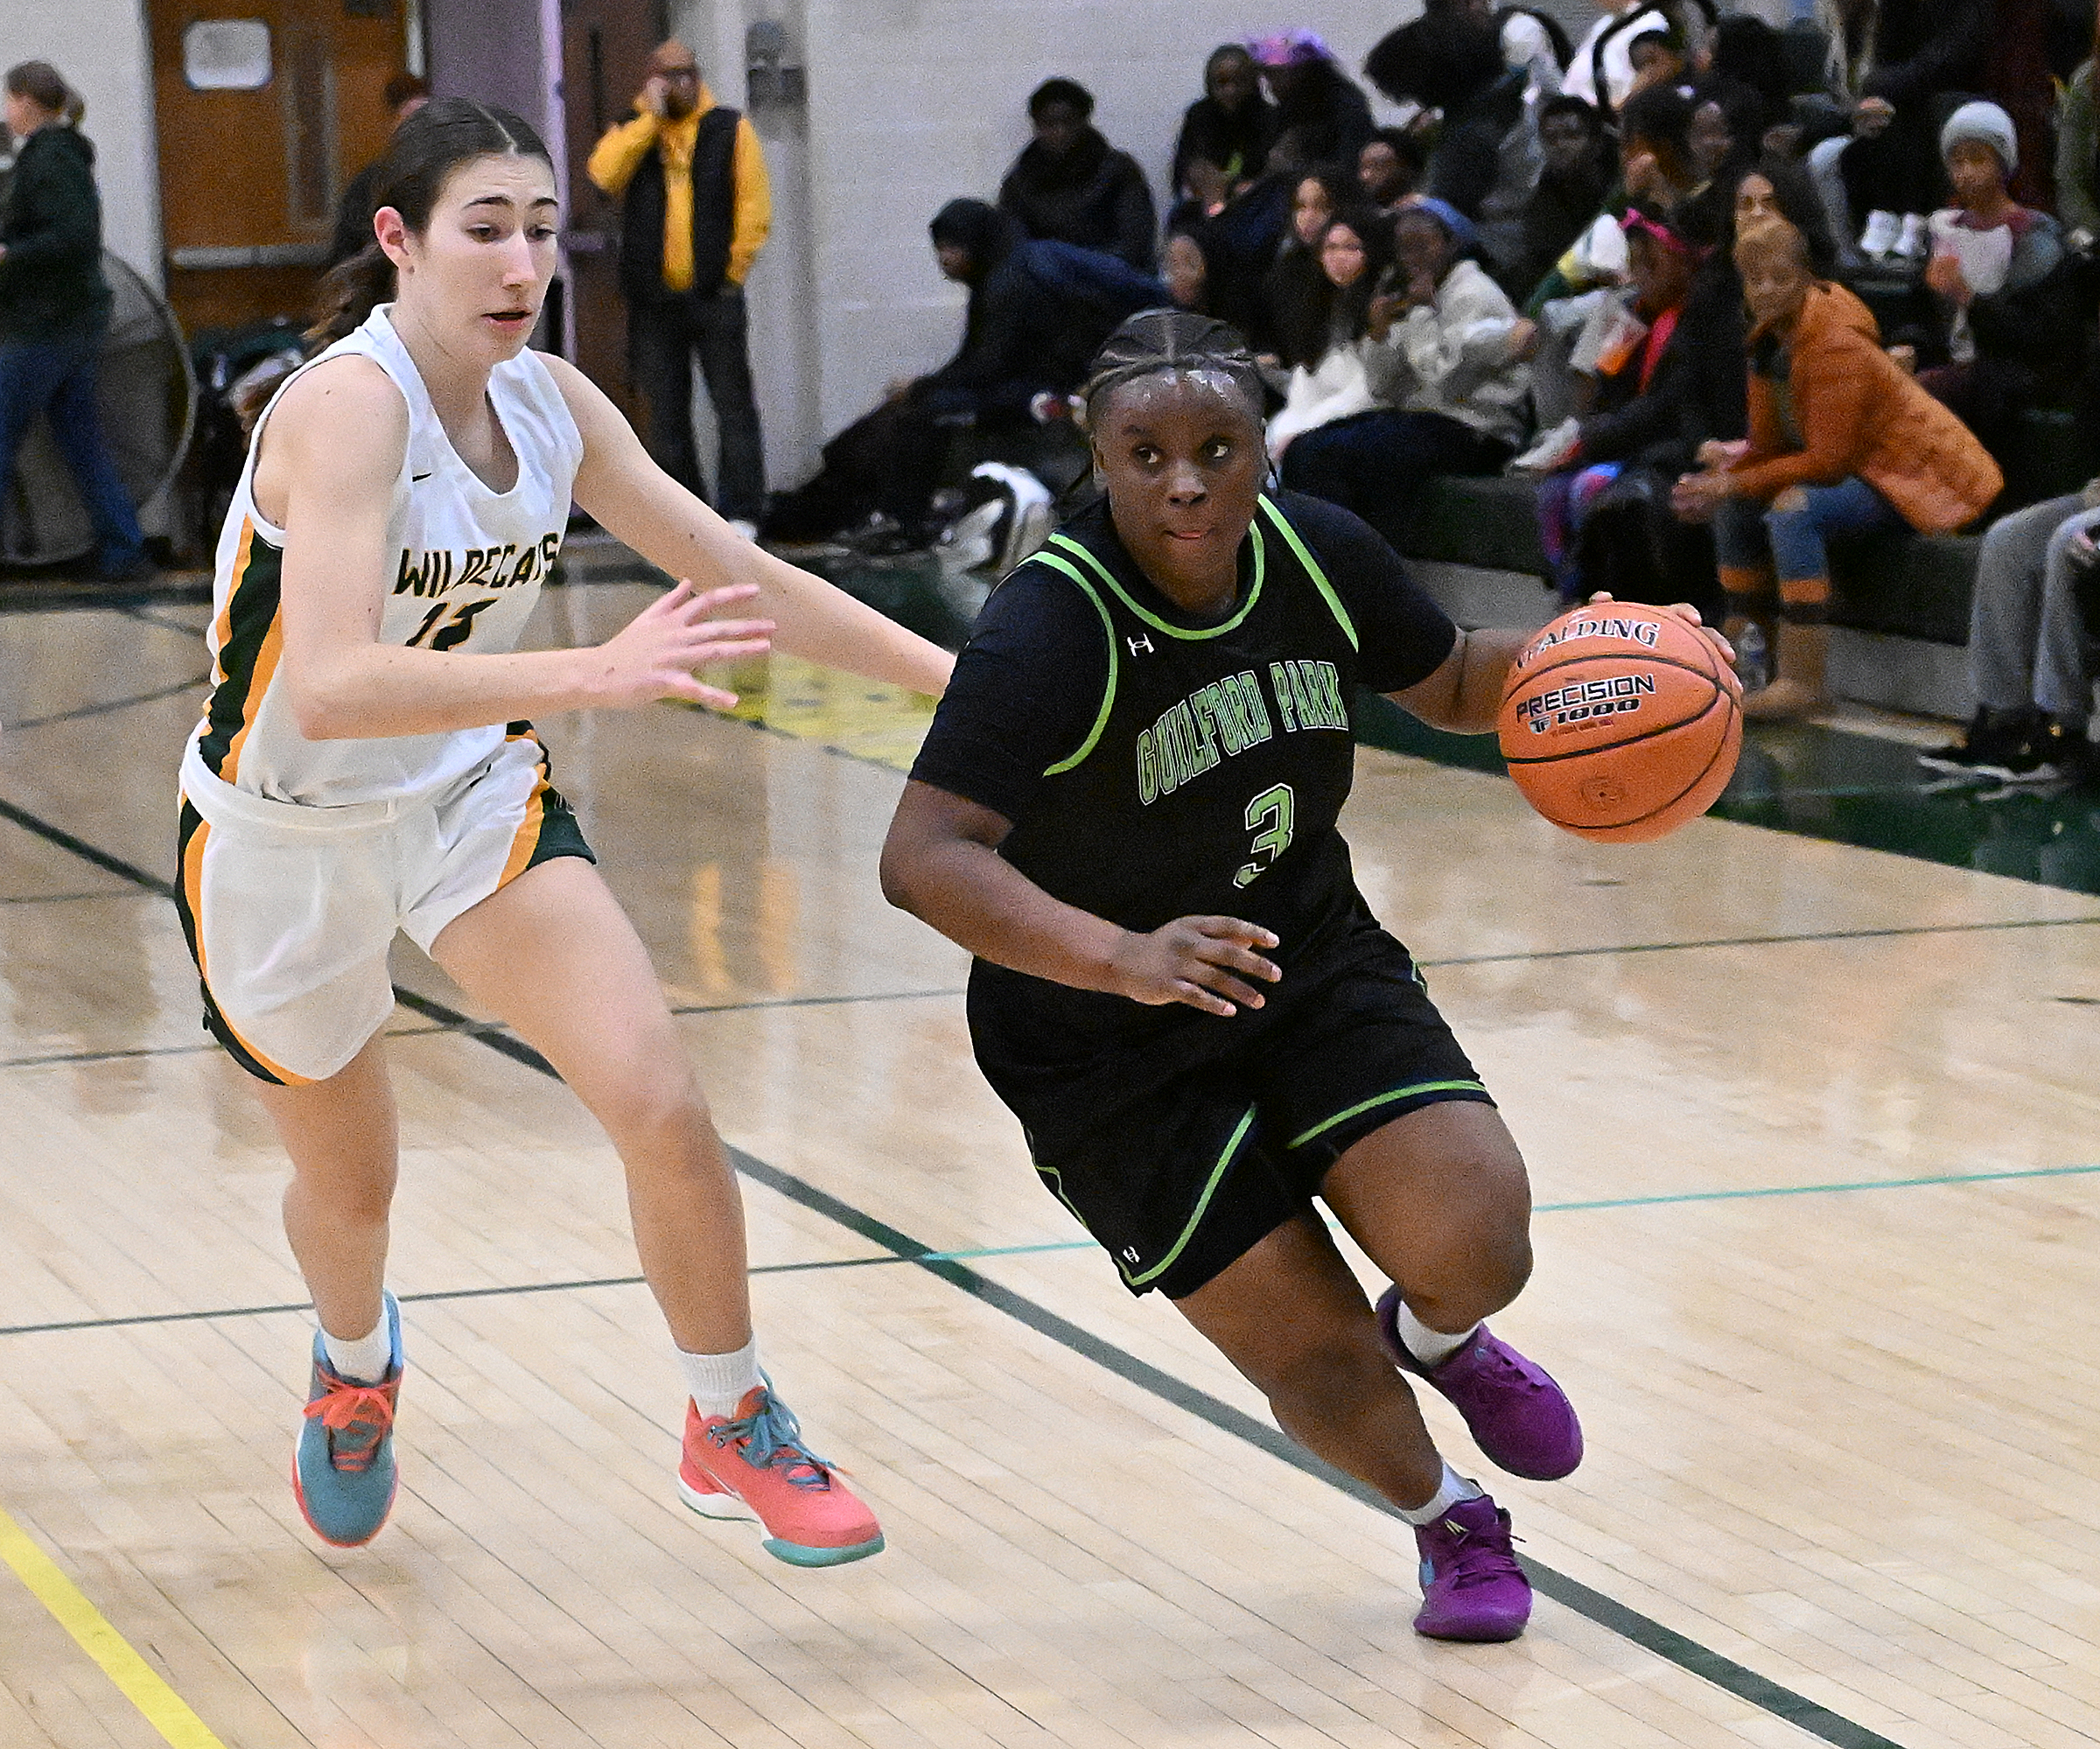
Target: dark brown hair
column 38, row 80
column 426, row 149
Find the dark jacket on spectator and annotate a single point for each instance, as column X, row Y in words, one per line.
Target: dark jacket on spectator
column 1453, row 62
column 1094, row 197
column 1696, row 392
column 1558, row 213
column 1238, row 144
column 1926, row 48
column 1328, row 118
column 1038, row 312
column 51, row 222
column 2030, row 318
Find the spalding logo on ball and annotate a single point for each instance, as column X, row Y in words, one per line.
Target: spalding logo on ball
column 1620, row 722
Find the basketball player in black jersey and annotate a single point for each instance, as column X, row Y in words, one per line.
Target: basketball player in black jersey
column 1126, row 809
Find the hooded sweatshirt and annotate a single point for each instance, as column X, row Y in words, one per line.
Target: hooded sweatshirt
column 51, row 224
column 1093, row 196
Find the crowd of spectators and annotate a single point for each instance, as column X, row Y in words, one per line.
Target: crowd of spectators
column 1729, row 293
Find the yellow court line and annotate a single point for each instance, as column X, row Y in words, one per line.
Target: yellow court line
column 142, row 1685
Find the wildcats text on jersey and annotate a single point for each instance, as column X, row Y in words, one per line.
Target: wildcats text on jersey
column 505, row 567
column 1225, row 718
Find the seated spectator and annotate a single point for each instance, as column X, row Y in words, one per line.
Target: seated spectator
column 1069, row 185
column 1226, row 134
column 1533, row 42
column 1450, row 61
column 1353, row 250
column 2078, row 156
column 1601, row 71
column 1038, row 312
column 2028, row 637
column 1390, row 167
column 1997, row 273
column 1657, row 56
column 1185, row 267
column 1574, row 177
column 1841, row 442
column 1290, row 323
column 1441, row 354
column 1911, row 62
column 1320, row 112
column 1675, row 383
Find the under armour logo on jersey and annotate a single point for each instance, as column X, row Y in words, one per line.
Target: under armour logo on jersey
column 1130, row 1254
column 1141, row 643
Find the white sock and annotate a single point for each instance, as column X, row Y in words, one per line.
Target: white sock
column 1431, row 1348
column 1452, row 1489
column 716, row 1383
column 365, row 1360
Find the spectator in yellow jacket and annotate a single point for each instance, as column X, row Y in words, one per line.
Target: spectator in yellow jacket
column 696, row 207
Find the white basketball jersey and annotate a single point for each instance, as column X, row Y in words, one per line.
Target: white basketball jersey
column 464, row 569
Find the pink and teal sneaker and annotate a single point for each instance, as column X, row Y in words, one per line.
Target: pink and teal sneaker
column 753, row 1465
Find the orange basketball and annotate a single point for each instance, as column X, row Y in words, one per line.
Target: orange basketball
column 1620, row 722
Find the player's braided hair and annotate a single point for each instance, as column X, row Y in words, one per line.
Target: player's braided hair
column 1171, row 342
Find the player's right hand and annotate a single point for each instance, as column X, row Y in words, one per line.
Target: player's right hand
column 654, row 655
column 1193, row 960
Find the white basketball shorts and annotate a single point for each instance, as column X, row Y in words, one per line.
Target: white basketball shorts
column 290, row 911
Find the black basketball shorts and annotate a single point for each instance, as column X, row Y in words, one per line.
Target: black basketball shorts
column 1187, row 1177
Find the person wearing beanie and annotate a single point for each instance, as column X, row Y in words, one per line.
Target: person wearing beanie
column 2000, row 283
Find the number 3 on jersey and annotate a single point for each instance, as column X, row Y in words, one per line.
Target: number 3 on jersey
column 1269, row 817
column 449, row 625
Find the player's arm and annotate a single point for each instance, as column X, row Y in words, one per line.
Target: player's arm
column 333, row 448
column 1466, row 691
column 638, row 503
column 942, row 863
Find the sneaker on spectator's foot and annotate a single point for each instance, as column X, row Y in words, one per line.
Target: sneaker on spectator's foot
column 2045, row 753
column 342, row 1471
column 1911, row 240
column 1472, row 1586
column 755, row 1466
column 1517, row 1415
column 1883, row 229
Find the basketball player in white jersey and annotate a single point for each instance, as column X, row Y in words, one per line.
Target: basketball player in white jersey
column 365, row 765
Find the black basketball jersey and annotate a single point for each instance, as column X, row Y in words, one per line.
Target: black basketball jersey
column 1218, row 760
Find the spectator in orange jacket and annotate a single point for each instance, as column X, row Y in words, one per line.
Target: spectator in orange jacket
column 1842, row 442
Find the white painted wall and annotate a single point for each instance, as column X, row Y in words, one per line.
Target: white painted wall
column 914, row 102
column 99, row 47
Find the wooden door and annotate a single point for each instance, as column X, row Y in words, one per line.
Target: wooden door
column 265, row 108
column 605, row 47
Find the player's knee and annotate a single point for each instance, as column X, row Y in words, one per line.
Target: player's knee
column 651, row 1102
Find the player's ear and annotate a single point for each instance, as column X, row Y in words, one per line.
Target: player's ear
column 392, row 231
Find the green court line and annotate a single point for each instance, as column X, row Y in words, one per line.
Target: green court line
column 1813, row 1189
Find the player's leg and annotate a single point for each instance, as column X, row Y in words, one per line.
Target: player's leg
column 1439, row 1200
column 1291, row 1316
column 340, row 1133
column 553, row 956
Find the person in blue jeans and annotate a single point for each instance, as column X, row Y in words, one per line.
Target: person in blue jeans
column 54, row 310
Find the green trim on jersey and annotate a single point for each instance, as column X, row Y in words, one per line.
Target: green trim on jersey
column 1254, row 590
column 1398, row 1094
column 1108, row 696
column 1313, row 570
column 251, row 610
column 1195, row 1220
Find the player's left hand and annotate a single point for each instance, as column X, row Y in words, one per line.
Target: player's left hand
column 1689, row 615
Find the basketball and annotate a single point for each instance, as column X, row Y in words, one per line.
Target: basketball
column 1620, row 722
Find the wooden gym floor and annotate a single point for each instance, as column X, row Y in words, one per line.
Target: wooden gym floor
column 1815, row 1134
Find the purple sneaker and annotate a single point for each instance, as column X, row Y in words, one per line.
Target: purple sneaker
column 1515, row 1412
column 1472, row 1586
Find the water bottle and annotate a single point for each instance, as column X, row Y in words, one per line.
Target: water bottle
column 1752, row 658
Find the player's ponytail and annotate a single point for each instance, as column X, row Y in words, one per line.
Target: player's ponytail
column 1176, row 342
column 426, row 149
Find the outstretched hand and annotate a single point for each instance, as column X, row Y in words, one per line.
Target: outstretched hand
column 1192, row 959
column 654, row 655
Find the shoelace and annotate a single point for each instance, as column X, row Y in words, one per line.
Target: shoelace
column 771, row 1438
column 368, row 1409
column 1474, row 1561
column 1492, row 1358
